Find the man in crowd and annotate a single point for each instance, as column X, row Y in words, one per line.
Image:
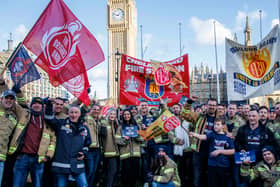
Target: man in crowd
column 182, row 153
column 253, row 136
column 203, row 124
column 94, row 153
column 263, row 113
column 221, row 111
column 8, row 121
column 59, row 108
column 145, row 120
column 272, row 114
column 35, row 143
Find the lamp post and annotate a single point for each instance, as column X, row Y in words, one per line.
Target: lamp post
column 117, row 56
column 209, row 81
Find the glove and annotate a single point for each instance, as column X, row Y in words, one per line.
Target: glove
column 16, row 89
column 46, row 101
column 150, row 177
column 49, row 106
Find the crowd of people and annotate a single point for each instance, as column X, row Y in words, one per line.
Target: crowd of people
column 52, row 143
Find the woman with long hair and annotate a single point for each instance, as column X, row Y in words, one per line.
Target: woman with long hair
column 129, row 143
column 111, row 152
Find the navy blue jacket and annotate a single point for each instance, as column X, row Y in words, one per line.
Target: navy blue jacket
column 72, row 138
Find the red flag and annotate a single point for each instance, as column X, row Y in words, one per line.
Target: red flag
column 78, row 86
column 63, row 45
column 137, row 81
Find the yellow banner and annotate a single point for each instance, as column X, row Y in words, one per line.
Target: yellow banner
column 162, row 125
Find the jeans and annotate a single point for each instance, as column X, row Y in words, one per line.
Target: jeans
column 81, row 180
column 26, row 163
column 1, row 171
column 91, row 162
column 156, row 184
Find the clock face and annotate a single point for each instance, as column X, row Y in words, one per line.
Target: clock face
column 118, row 14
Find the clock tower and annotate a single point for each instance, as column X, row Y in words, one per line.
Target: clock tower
column 122, row 33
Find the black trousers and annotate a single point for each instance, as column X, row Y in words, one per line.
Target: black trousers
column 218, row 176
column 130, row 171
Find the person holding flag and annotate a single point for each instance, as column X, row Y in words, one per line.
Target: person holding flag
column 8, row 120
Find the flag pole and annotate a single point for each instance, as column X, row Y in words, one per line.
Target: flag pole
column 278, row 12
column 180, row 39
column 217, row 69
column 260, row 11
column 141, row 33
column 10, row 58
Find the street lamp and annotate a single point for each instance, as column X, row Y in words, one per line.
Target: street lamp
column 209, row 81
column 118, row 57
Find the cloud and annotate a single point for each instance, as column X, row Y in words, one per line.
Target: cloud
column 97, row 74
column 274, row 22
column 19, row 33
column 254, row 17
column 147, row 39
column 204, row 31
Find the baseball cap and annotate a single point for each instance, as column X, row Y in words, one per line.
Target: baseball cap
column 272, row 109
column 9, row 93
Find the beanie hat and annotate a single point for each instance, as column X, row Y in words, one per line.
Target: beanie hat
column 36, row 100
column 270, row 149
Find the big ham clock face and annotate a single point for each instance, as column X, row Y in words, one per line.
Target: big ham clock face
column 118, row 14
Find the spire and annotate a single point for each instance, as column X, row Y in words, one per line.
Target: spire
column 247, row 33
column 235, row 37
column 10, row 43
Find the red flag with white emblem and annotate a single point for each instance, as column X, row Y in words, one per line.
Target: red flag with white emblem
column 64, row 46
column 78, row 86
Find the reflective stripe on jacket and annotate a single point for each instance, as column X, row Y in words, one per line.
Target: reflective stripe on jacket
column 269, row 176
column 94, row 129
column 128, row 148
column 110, row 146
column 168, row 173
column 8, row 122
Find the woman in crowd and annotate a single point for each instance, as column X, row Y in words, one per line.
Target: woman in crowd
column 129, row 143
column 73, row 139
column 111, row 152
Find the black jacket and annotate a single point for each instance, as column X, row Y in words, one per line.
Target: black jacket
column 72, row 138
column 266, row 138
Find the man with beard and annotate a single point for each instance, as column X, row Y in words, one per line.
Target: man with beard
column 35, row 143
column 263, row 113
column 59, row 108
column 59, row 112
column 203, row 124
column 8, row 120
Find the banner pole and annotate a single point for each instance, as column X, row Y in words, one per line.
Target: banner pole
column 217, row 69
column 10, row 58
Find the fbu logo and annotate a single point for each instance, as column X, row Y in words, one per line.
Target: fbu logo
column 152, row 90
